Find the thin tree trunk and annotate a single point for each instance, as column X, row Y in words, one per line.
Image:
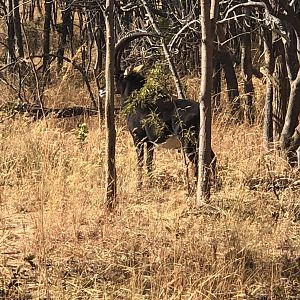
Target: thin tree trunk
column 230, row 75
column 246, row 66
column 11, row 55
column 269, row 60
column 18, row 29
column 281, row 89
column 289, row 140
column 63, row 33
column 111, row 179
column 203, row 188
column 292, row 62
column 99, row 42
column 83, row 38
column 46, row 42
column 217, row 85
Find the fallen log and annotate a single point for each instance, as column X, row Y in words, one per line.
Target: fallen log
column 37, row 112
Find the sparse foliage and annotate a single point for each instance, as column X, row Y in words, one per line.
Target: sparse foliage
column 156, row 87
column 82, row 132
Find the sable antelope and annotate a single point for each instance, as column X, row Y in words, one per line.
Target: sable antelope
column 180, row 118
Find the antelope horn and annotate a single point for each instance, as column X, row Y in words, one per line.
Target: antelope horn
column 123, row 42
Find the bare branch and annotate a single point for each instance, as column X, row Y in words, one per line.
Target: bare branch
column 246, row 4
column 176, row 36
column 166, row 52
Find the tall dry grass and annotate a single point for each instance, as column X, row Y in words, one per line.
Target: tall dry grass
column 58, row 242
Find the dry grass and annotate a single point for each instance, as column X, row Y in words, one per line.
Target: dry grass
column 57, row 241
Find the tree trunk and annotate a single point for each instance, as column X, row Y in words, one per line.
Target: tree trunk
column 63, row 31
column 231, row 82
column 246, row 66
column 100, row 42
column 217, row 85
column 290, row 137
column 111, row 179
column 269, row 60
column 230, row 75
column 11, row 55
column 18, row 29
column 281, row 89
column 46, row 42
column 203, row 188
column 292, row 62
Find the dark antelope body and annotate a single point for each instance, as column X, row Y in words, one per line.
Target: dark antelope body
column 180, row 118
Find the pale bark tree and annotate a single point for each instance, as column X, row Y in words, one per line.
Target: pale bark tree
column 246, row 68
column 111, row 174
column 290, row 136
column 269, row 69
column 208, row 8
column 282, row 17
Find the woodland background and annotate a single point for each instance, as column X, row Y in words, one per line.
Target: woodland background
column 57, row 241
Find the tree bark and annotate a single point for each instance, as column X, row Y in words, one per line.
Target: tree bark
column 111, row 179
column 99, row 43
column 230, row 75
column 281, row 89
column 11, row 55
column 217, row 84
column 292, row 62
column 18, row 28
column 290, row 136
column 203, row 187
column 46, row 42
column 269, row 60
column 63, row 30
column 246, row 66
